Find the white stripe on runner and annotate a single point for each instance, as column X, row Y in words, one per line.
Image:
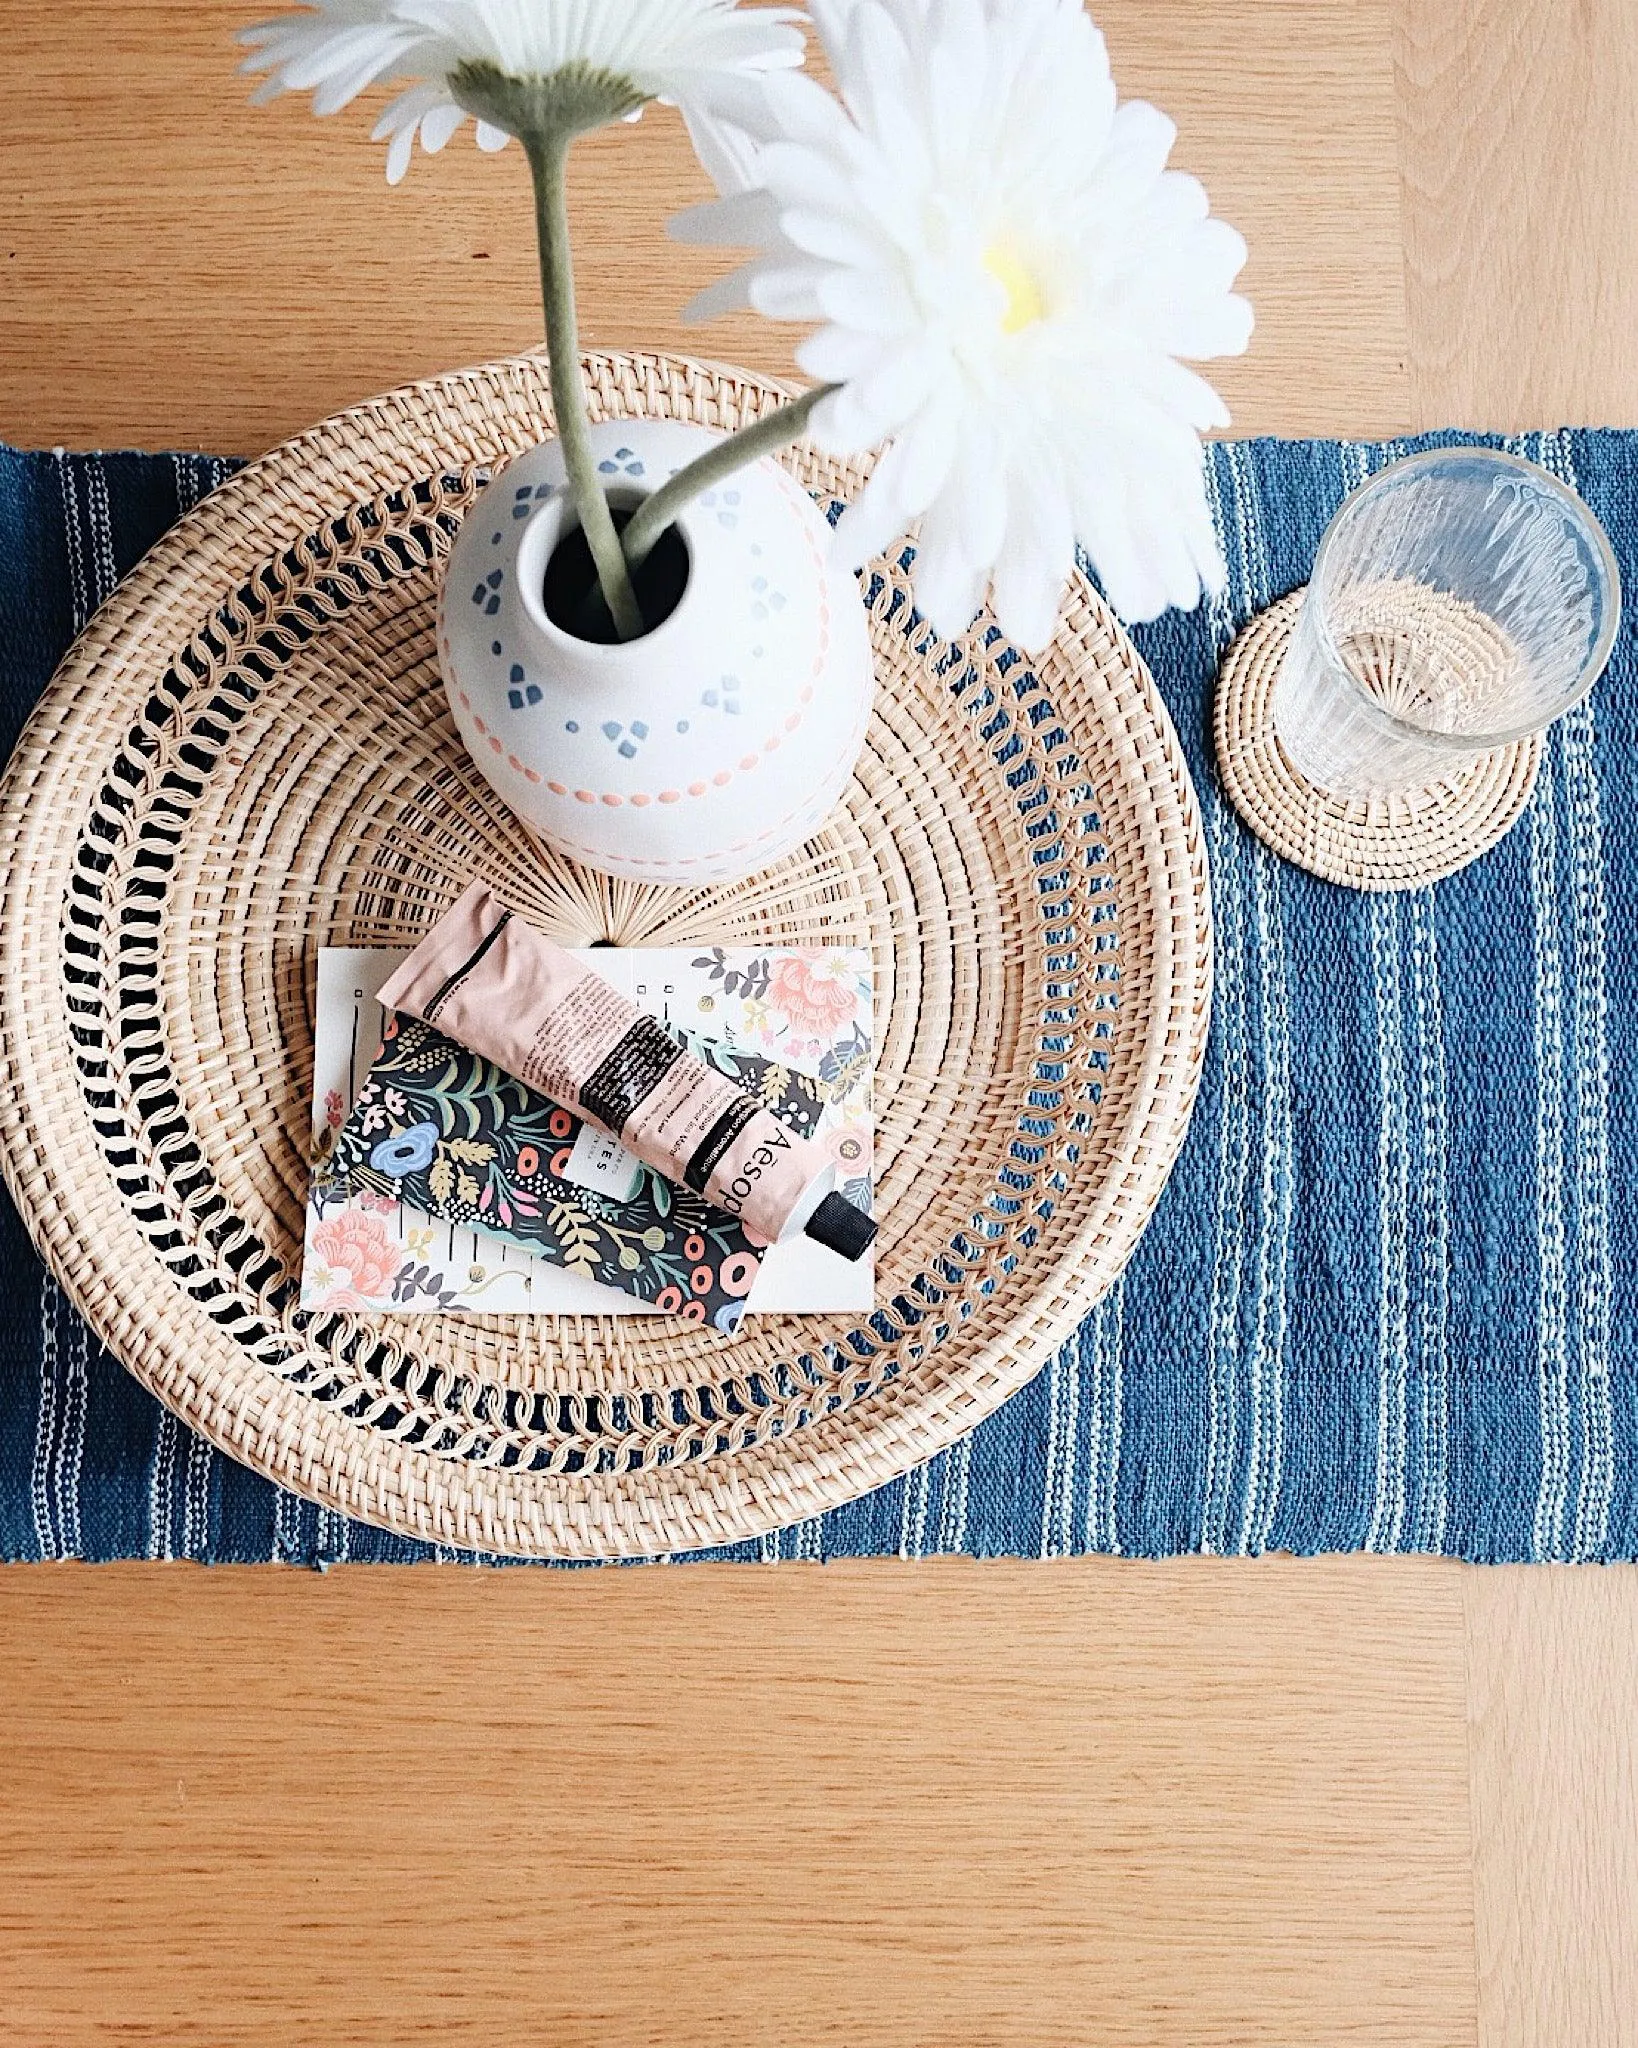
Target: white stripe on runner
column 59, row 1435
column 1590, row 1154
column 1069, row 1458
column 1102, row 1527
column 161, row 1485
column 198, row 1470
column 1054, row 1453
column 1552, row 1336
column 1427, row 1004
column 287, row 1529
column 187, row 484
column 1274, row 1238
column 1267, row 1361
column 1062, row 1461
column 913, row 1513
column 952, row 1512
column 80, row 587
column 45, row 1422
column 100, row 532
column 70, row 1459
column 1229, row 1023
column 1387, row 1523
column 102, row 576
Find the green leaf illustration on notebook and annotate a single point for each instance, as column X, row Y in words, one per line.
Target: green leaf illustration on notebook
column 446, row 1131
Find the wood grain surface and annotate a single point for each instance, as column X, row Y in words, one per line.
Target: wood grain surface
column 710, row 1805
column 1193, row 1803
column 184, row 270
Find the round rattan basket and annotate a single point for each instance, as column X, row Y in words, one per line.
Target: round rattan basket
column 247, row 755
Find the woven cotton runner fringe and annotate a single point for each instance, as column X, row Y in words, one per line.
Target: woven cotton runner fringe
column 1387, row 1300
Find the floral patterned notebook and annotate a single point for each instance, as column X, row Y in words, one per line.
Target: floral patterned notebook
column 441, row 1183
column 446, row 1130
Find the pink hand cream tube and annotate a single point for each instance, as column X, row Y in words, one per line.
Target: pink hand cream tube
column 486, row 979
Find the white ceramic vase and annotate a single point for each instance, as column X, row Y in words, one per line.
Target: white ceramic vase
column 703, row 750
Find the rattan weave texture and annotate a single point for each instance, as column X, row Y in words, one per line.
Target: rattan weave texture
column 247, row 755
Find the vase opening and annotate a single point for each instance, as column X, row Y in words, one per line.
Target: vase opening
column 575, row 604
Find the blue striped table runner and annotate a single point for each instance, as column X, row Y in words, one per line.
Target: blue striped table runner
column 1386, row 1303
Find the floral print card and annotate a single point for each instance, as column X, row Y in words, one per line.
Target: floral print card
column 488, row 1220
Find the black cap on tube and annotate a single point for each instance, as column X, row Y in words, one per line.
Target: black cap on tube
column 837, row 1224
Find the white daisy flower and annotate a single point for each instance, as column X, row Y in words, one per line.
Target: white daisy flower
column 692, row 53
column 1005, row 276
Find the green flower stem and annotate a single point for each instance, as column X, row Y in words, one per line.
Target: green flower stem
column 548, row 155
column 774, row 430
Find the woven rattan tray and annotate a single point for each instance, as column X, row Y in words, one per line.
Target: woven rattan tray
column 247, row 756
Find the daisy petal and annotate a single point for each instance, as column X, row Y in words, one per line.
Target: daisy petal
column 438, row 124
column 398, row 154
column 730, row 294
column 949, row 583
column 742, row 221
column 831, row 355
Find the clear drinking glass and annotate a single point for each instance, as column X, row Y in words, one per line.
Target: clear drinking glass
column 1460, row 600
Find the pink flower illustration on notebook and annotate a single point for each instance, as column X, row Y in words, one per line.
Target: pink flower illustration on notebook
column 358, row 1259
column 814, row 992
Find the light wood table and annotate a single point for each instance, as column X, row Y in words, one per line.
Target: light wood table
column 1368, row 1801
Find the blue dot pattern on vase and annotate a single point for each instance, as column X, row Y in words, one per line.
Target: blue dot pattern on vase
column 571, row 725
column 624, row 459
column 526, row 495
column 625, row 739
column 726, row 515
column 486, row 595
column 727, row 696
column 682, row 725
column 530, row 694
column 494, row 647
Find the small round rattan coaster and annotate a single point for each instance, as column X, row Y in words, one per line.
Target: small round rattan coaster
column 1402, row 841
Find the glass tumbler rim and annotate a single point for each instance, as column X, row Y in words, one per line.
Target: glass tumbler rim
column 1596, row 660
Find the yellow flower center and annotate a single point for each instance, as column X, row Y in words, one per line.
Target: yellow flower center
column 1024, row 304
